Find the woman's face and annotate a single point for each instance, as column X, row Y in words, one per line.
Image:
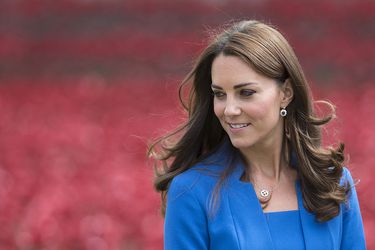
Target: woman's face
column 246, row 103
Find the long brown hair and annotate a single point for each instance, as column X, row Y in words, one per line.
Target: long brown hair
column 265, row 49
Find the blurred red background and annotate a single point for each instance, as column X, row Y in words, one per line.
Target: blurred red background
column 86, row 84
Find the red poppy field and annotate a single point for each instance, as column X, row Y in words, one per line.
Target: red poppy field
column 85, row 85
column 73, row 171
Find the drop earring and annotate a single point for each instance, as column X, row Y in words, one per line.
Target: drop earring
column 283, row 112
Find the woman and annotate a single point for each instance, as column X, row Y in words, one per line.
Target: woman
column 247, row 170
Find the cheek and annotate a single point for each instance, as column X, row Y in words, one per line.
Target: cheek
column 218, row 109
column 255, row 112
column 263, row 111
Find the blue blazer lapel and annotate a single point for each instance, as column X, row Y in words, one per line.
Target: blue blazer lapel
column 317, row 235
column 248, row 218
column 251, row 225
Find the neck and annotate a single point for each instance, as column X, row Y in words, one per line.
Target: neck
column 265, row 162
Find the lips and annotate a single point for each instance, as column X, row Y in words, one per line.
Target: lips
column 238, row 125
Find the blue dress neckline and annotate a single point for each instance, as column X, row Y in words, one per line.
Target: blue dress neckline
column 282, row 212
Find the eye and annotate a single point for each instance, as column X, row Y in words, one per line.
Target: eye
column 247, row 92
column 217, row 94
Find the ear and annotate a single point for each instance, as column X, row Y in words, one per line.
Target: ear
column 287, row 93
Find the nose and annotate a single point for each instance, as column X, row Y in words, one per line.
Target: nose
column 232, row 108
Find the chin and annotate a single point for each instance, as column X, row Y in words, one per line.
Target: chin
column 238, row 143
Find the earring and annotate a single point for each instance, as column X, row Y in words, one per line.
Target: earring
column 283, row 112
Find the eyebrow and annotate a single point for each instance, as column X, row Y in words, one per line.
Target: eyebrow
column 240, row 85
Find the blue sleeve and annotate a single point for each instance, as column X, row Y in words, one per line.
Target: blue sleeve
column 185, row 225
column 353, row 236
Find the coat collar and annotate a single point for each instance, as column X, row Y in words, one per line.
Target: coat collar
column 249, row 219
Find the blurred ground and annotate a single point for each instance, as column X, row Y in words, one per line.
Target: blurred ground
column 84, row 85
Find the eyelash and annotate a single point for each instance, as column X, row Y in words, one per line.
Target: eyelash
column 248, row 92
column 244, row 92
column 217, row 94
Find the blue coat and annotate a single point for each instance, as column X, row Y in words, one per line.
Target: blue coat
column 239, row 222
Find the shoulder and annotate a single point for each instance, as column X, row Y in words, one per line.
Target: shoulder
column 350, row 186
column 202, row 177
column 346, row 177
column 353, row 236
column 199, row 179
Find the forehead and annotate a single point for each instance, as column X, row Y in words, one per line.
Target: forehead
column 227, row 71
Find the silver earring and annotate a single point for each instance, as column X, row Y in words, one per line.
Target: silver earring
column 283, row 112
